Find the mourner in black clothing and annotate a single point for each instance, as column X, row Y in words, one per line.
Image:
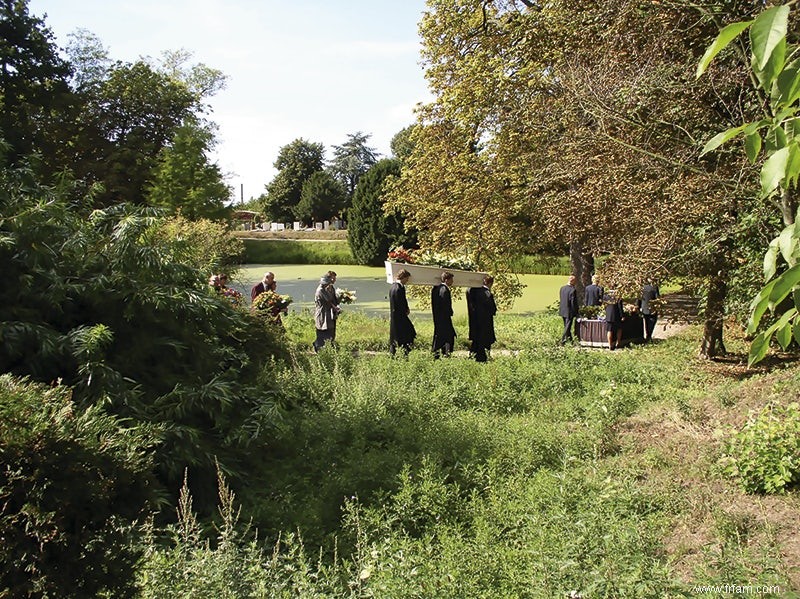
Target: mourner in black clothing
column 649, row 293
column 593, row 294
column 613, row 319
column 568, row 308
column 444, row 335
column 481, row 309
column 401, row 329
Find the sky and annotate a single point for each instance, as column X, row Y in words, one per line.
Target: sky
column 312, row 69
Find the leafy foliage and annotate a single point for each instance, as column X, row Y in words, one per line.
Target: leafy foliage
column 777, row 72
column 205, row 245
column 74, row 486
column 94, row 302
column 34, row 94
column 321, row 199
column 350, row 161
column 371, row 231
column 184, row 181
column 296, row 162
column 765, row 454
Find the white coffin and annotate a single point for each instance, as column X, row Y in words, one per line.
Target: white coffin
column 432, row 275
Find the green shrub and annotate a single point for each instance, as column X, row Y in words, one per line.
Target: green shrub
column 274, row 251
column 765, row 454
column 73, row 484
column 206, row 245
column 90, row 301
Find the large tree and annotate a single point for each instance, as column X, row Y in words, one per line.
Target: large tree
column 351, row 160
column 322, row 198
column 184, row 180
column 581, row 124
column 371, row 231
column 296, row 162
column 127, row 119
column 34, row 90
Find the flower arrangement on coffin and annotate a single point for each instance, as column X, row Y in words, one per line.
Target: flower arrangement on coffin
column 591, row 312
column 429, row 258
column 271, row 303
column 345, row 296
column 233, row 296
column 400, row 254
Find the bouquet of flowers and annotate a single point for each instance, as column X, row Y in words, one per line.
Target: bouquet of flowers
column 630, row 309
column 345, row 296
column 271, row 303
column 233, row 296
column 400, row 254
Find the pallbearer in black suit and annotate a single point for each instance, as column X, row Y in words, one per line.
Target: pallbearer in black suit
column 401, row 329
column 613, row 319
column 649, row 293
column 568, row 308
column 481, row 309
column 593, row 294
column 444, row 335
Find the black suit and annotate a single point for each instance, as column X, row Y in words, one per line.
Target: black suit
column 593, row 295
column 481, row 309
column 444, row 335
column 649, row 293
column 568, row 310
column 401, row 329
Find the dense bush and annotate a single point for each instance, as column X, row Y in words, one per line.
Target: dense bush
column 205, row 245
column 73, row 484
column 765, row 454
column 92, row 300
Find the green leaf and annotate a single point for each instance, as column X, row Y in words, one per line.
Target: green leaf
column 769, row 74
column 758, row 349
column 721, row 138
column 752, row 146
column 767, row 32
column 774, row 171
column 758, row 306
column 771, row 259
column 787, row 85
column 725, row 37
column 792, row 165
column 784, row 336
column 784, row 284
column 787, row 243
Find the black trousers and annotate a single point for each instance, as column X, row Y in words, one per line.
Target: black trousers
column 569, row 324
column 649, row 325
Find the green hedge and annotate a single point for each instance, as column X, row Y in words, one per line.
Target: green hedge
column 269, row 251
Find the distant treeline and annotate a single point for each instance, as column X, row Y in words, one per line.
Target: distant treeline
column 273, row 251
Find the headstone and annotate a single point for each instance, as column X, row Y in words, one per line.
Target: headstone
column 296, row 226
column 326, row 225
column 318, row 226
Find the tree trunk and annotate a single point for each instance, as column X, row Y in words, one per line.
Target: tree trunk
column 712, row 345
column 581, row 263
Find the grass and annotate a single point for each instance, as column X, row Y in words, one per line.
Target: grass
column 548, row 470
